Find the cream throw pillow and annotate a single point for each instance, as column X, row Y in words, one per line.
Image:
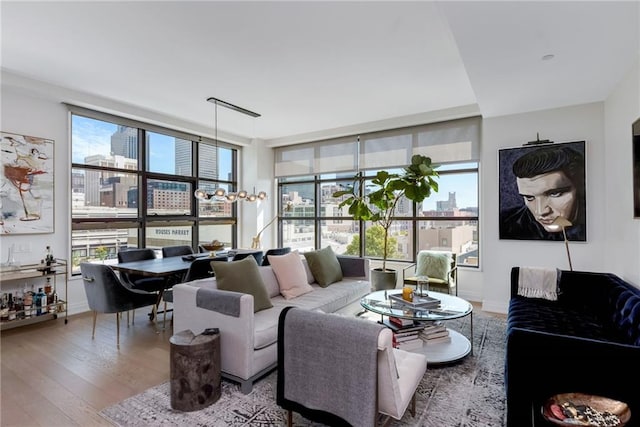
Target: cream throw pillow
column 291, row 275
column 434, row 264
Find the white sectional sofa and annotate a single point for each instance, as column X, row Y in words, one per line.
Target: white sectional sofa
column 249, row 340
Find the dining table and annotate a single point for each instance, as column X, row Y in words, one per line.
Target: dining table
column 175, row 265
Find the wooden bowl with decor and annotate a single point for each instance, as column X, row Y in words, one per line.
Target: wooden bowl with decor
column 579, row 409
column 213, row 246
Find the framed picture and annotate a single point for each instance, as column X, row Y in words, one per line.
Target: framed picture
column 26, row 189
column 636, row 169
column 538, row 184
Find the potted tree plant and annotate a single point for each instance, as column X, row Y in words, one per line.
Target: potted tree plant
column 416, row 183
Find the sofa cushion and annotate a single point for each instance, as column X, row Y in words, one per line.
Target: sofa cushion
column 265, row 324
column 270, row 281
column 324, row 265
column 242, row 276
column 544, row 316
column 328, row 300
column 291, row 275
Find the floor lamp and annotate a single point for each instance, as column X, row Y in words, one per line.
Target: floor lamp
column 562, row 223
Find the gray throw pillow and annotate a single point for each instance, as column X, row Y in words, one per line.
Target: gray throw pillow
column 324, row 265
column 242, row 276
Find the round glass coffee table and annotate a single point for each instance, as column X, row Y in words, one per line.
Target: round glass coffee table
column 451, row 307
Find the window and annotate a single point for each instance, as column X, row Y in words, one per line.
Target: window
column 308, row 174
column 448, row 220
column 132, row 185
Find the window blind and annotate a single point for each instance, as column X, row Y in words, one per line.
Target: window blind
column 445, row 142
column 313, row 158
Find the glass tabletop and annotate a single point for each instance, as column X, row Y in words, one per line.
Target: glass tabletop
column 451, row 307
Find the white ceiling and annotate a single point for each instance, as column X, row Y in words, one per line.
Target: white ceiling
column 309, row 67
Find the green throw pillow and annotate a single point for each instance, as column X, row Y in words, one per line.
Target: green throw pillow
column 324, row 266
column 434, row 264
column 242, row 276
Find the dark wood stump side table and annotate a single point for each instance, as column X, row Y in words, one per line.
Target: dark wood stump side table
column 195, row 369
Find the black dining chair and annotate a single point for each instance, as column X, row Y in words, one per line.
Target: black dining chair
column 155, row 285
column 199, row 269
column 107, row 294
column 275, row 251
column 169, row 251
column 179, row 250
column 257, row 255
column 136, row 281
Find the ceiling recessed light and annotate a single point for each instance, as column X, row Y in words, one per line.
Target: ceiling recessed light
column 548, row 57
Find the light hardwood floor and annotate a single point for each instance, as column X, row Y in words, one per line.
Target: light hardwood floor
column 55, row 375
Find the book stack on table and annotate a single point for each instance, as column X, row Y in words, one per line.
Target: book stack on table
column 418, row 303
column 406, row 333
column 435, row 333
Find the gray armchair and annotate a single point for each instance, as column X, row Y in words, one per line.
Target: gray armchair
column 107, row 294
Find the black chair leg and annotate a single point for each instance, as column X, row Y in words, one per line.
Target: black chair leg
column 118, row 329
column 95, row 317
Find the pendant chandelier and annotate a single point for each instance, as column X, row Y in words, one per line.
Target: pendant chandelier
column 220, row 194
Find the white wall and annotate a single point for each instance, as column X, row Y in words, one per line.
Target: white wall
column 577, row 123
column 28, row 114
column 622, row 108
column 257, row 167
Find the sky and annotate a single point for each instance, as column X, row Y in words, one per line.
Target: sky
column 464, row 185
column 91, row 136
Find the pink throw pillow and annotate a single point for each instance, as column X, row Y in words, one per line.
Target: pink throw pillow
column 291, row 275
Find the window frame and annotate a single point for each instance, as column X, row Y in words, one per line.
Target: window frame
column 144, row 176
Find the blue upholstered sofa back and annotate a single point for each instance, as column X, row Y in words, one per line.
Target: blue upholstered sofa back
column 626, row 315
column 605, row 296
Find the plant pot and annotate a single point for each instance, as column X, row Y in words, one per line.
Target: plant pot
column 381, row 280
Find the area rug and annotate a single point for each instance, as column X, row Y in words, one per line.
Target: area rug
column 467, row 393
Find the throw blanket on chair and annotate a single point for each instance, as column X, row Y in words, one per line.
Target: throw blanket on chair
column 535, row 282
column 327, row 364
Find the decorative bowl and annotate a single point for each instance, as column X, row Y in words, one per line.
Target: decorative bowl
column 598, row 403
column 213, row 246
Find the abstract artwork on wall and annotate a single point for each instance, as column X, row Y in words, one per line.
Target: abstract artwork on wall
column 26, row 189
column 539, row 183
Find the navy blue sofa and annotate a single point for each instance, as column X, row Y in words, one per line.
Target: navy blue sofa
column 587, row 341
